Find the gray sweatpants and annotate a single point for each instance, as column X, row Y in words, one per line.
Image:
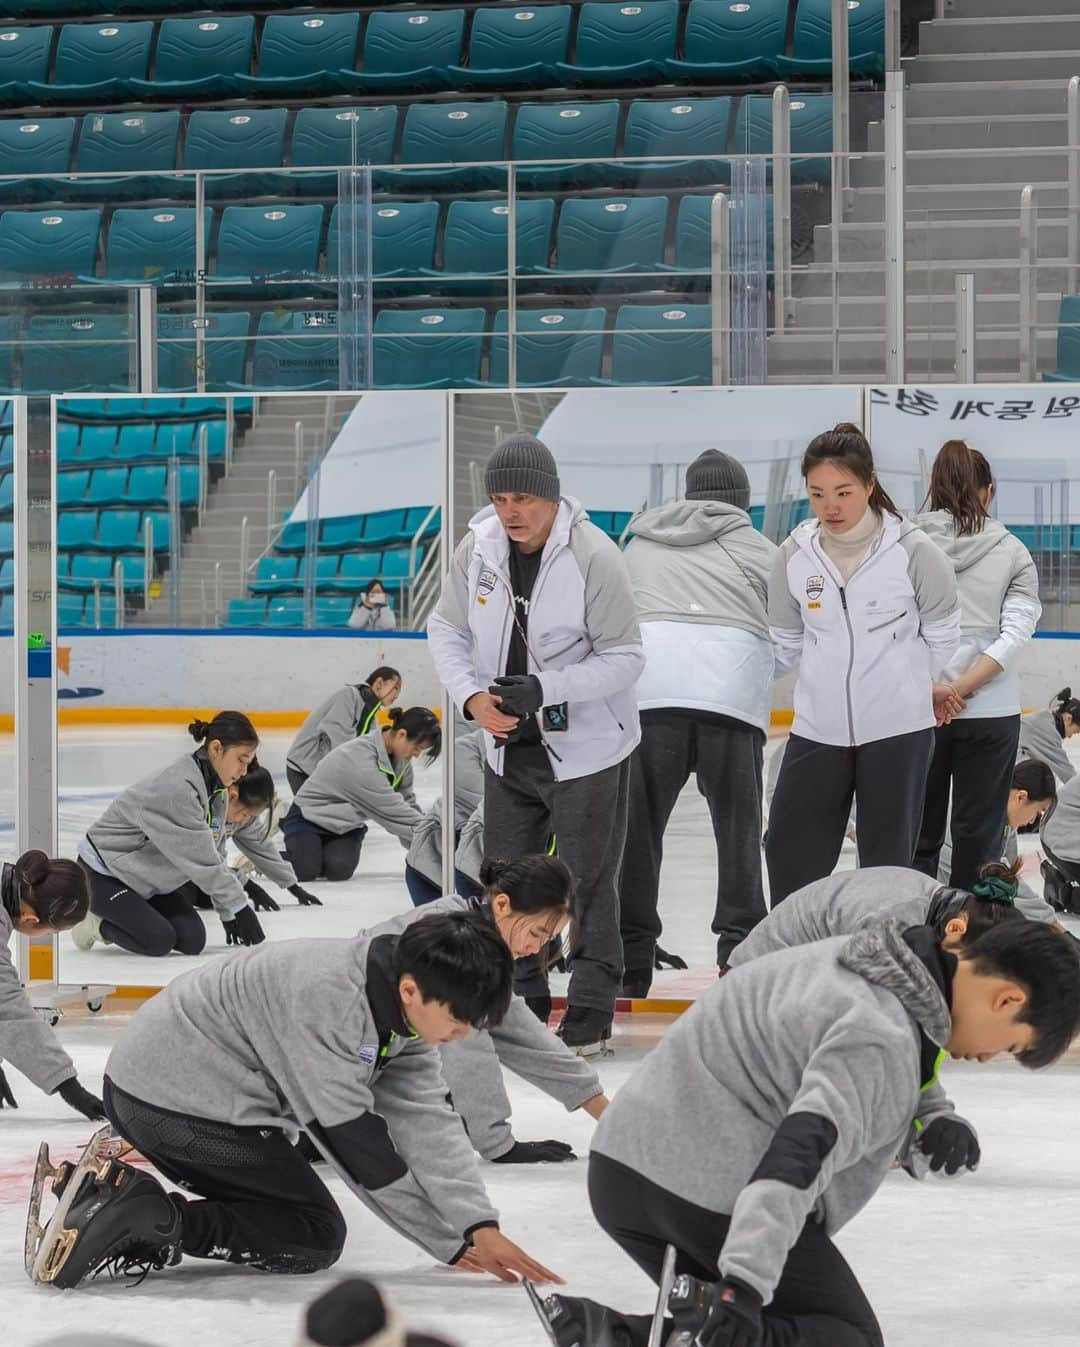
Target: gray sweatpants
column 523, row 808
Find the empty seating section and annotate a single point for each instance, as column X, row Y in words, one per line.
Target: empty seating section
column 1068, row 342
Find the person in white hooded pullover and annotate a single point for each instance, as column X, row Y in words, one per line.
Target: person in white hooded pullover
column 999, row 600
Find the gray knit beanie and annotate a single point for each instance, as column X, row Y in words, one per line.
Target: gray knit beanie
column 522, row 463
column 717, row 476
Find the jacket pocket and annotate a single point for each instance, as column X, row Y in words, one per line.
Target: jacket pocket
column 880, row 626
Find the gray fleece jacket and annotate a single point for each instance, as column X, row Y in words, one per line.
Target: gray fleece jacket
column 26, row 1041
column 520, row 1043
column 254, row 1040
column 425, row 849
column 161, row 833
column 350, row 711
column 793, row 1084
column 1060, row 831
column 252, row 840
column 356, row 783
column 1041, row 739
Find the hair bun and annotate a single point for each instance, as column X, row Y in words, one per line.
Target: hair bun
column 32, row 867
column 491, row 870
column 197, row 729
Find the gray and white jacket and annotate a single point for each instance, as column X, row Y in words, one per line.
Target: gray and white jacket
column 26, row 1041
column 867, row 649
column 254, row 1040
column 425, row 849
column 795, row 1081
column 1040, row 738
column 350, row 711
column 252, row 840
column 700, row 575
column 1060, row 831
column 358, row 783
column 472, row 1066
column 998, row 587
column 161, row 833
column 583, row 639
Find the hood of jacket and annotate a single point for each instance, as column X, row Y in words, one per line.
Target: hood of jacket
column 689, row 523
column 962, row 550
column 881, row 955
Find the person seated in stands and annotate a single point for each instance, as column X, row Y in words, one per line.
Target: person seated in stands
column 373, row 612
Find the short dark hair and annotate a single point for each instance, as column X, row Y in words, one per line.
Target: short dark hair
column 383, row 672
column 421, row 725
column 1046, row 965
column 1034, row 776
column 255, row 789
column 534, row 884
column 460, row 960
column 229, row 728
column 56, row 891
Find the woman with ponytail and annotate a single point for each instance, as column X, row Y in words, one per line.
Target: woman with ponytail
column 38, row 896
column 529, row 901
column 864, row 604
column 155, row 849
column 998, row 586
column 1043, row 733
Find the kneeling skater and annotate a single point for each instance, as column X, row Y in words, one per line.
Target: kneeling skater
column 528, row 902
column 213, row 1077
column 346, row 713
column 748, row 1158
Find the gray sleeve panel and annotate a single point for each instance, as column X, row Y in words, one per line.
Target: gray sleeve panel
column 264, row 853
column 342, row 717
column 610, row 610
column 450, row 640
column 26, row 1041
column 785, row 615
column 933, row 581
column 1020, row 610
column 475, row 1081
column 532, row 1051
column 175, row 824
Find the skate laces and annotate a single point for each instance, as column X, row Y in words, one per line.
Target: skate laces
column 135, row 1262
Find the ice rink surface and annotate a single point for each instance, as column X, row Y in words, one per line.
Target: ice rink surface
column 987, row 1259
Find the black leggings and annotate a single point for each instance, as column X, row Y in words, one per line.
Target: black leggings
column 263, row 1203
column 817, row 1303
column 315, row 853
column 153, row 926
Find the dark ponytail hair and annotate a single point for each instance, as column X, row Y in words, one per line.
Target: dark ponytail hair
column 56, row 891
column 533, row 884
column 1065, row 704
column 992, row 900
column 1034, row 776
column 229, row 728
column 421, row 725
column 959, row 475
column 255, row 789
column 383, row 673
column 847, row 447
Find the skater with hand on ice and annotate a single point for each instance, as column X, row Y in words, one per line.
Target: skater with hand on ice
column 528, row 901
column 155, row 849
column 369, row 778
column 351, row 711
column 214, row 1076
column 423, row 862
column 38, row 896
column 1042, row 734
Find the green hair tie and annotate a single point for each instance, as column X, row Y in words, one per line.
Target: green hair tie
column 996, row 890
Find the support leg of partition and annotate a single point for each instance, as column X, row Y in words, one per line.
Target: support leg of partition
column 892, row 34
column 965, row 327
column 1072, row 140
column 721, row 289
column 841, row 97
column 895, row 262
column 781, row 176
column 446, row 541
column 145, row 315
column 200, row 283
column 511, row 277
column 1029, row 282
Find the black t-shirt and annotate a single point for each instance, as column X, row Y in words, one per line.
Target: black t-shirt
column 524, row 568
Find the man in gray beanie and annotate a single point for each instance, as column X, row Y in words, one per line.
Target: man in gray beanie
column 536, row 638
column 700, row 573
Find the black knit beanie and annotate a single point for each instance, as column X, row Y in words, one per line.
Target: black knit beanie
column 521, row 463
column 717, row 476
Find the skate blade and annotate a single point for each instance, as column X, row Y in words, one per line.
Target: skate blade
column 590, row 1050
column 667, row 1281
column 541, row 1311
column 48, row 1247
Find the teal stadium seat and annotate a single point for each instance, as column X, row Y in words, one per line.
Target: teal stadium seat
column 99, row 612
column 161, row 529
column 548, row 131
column 108, row 486
column 86, row 567
column 154, row 246
column 475, row 237
column 148, row 485
column 324, row 138
column 276, row 575
column 200, row 56
column 55, row 242
column 7, row 493
column 384, row 526
column 812, row 52
column 410, row 50
column 7, row 538
column 811, row 132
column 431, row 348
column 689, row 127
column 246, row 613
column 279, row 242
column 174, row 439
column 134, row 576
column 341, row 534
column 326, row 568
column 403, row 236
column 620, row 43
column 333, row 610
column 135, row 442
column 24, row 60
column 123, row 142
column 357, row 569
column 1068, row 342
column 76, row 528
column 119, row 531
column 71, row 487
column 395, row 563
column 240, row 139
column 97, row 60
column 447, row 133
column 693, row 234
column 225, row 354
column 291, row 352
column 727, row 42
column 662, row 344
column 69, row 608
column 33, row 145
column 553, row 347
column 302, row 54
column 285, row 612
column 515, row 48
column 78, row 352
column 97, row 444
column 625, row 234
column 7, row 453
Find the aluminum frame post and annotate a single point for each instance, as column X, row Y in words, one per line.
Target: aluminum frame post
column 146, row 363
column 895, row 260
column 1029, row 281
column 200, row 283
column 1072, row 140
column 965, row 327
column 841, row 96
column 720, row 258
column 446, row 540
column 781, row 139
column 511, row 277
column 892, row 34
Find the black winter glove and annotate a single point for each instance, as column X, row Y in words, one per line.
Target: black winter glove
column 950, row 1144
column 726, row 1314
column 260, row 899
column 536, row 1153
column 243, row 928
column 6, row 1097
column 520, row 694
column 662, row 959
column 82, row 1101
column 304, row 898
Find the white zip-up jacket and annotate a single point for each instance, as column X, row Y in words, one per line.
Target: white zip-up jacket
column 998, row 587
column 866, row 649
column 700, row 575
column 584, row 643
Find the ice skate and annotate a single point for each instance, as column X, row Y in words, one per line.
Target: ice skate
column 109, row 1217
column 86, row 934
column 689, row 1302
column 587, row 1031
column 571, row 1321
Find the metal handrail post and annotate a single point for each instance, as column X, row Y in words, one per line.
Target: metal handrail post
column 841, row 95
column 720, row 256
column 148, row 560
column 97, row 605
column 271, row 503
column 892, row 34
column 245, row 547
column 298, row 454
column 230, row 433
column 895, row 260
column 965, row 327
column 781, row 170
column 204, row 467
column 219, row 602
column 200, row 283
column 118, row 591
column 511, row 277
column 1029, row 285
column 1072, row 140
column 146, row 338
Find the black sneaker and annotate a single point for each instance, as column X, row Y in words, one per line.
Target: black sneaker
column 586, row 1030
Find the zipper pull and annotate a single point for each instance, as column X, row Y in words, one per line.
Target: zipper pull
column 843, row 598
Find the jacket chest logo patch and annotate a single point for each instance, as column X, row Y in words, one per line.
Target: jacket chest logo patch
column 815, row 586
column 486, row 583
column 368, row 1052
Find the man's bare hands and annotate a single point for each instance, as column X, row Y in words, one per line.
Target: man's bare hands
column 484, row 709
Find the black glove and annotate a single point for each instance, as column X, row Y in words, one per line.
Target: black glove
column 6, row 1097
column 82, row 1101
column 726, row 1314
column 536, row 1153
column 662, row 959
column 243, row 928
column 520, row 694
column 950, row 1144
column 304, row 898
column 260, row 899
